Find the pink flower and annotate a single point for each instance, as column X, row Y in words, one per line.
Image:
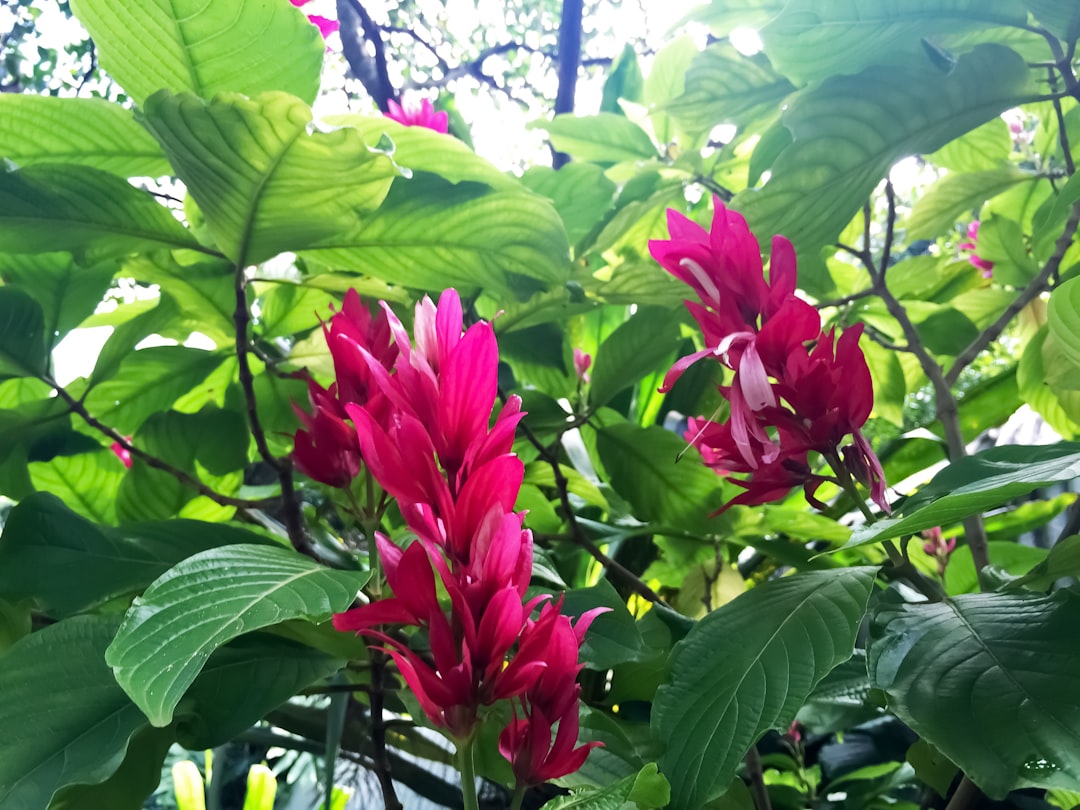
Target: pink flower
column 419, row 115
column 795, row 389
column 299, row 3
column 122, row 452
column 987, row 267
column 325, row 25
column 940, row 549
column 582, row 361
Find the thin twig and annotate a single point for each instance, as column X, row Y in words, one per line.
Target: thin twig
column 149, row 460
column 756, row 772
column 1063, row 135
column 290, row 506
column 577, row 535
column 380, row 758
column 847, row 299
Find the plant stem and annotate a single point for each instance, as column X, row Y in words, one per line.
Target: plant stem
column 967, row 796
column 756, row 773
column 468, row 775
column 519, row 796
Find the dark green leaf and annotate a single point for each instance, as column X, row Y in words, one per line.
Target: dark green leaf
column 988, row 667
column 66, row 563
column 67, row 292
column 34, row 430
column 875, row 118
column 231, row 591
column 973, row 485
column 815, row 39
column 1063, row 561
column 179, row 46
column 53, row 207
column 749, row 667
column 643, row 469
column 614, row 637
column 85, row 131
column 1011, row 558
column 22, row 335
column 264, row 183
column 636, row 348
column 59, row 673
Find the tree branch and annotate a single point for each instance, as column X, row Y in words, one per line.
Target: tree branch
column 756, row 773
column 1032, row 291
column 569, row 61
column 290, row 507
column 370, row 69
column 156, row 463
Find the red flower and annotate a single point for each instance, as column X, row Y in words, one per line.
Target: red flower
column 419, row 115
column 325, row 25
column 122, row 453
column 987, row 267
column 582, row 361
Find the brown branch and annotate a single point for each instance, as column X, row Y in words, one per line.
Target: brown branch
column 569, row 61
column 756, row 773
column 967, row 796
column 290, row 506
column 371, row 70
column 577, row 535
column 847, row 299
column 380, row 759
column 149, row 460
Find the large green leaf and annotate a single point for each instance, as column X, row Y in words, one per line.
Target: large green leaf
column 211, row 445
column 814, row 39
column 956, row 195
column 209, row 599
column 431, row 234
column 68, row 564
column 1061, row 18
column 579, row 191
column 264, row 183
column 725, row 87
column 34, row 430
column 22, row 335
column 67, row 292
column 1063, row 319
column 65, row 719
column 991, row 680
column 986, row 147
column 149, row 381
column 875, row 118
column 603, row 138
column 424, row 150
column 748, row 667
column 87, row 482
column 53, row 207
column 206, row 47
column 643, row 469
column 973, row 485
column 1062, row 561
column 636, row 348
column 204, row 292
column 89, row 132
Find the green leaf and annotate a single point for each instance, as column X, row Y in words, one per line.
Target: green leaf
column 15, row 622
column 636, row 348
column 985, row 147
column 814, row 39
column 614, row 637
column 646, row 789
column 206, row 47
column 723, row 18
column 1062, row 561
column 974, row 484
column 32, row 430
column 725, row 87
column 749, row 667
column 212, row 443
column 85, row 131
column 875, row 118
column 624, row 81
column 1011, row 558
column 1063, row 318
column 67, row 292
column 643, row 469
column 221, row 703
column 605, row 138
column 579, row 191
column 430, row 234
column 264, row 183
column 204, row 292
column 87, row 482
column 22, row 335
column 148, row 382
column 956, row 196
column 667, row 80
column 159, row 319
column 1002, row 242
column 231, row 591
column 67, row 564
column 132, row 783
column 87, row 211
column 1005, row 676
column 1062, row 19
column 424, row 150
column 59, row 673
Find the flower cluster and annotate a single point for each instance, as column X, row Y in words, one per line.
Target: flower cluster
column 419, row 115
column 419, row 417
column 935, row 545
column 796, row 389
column 986, row 266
